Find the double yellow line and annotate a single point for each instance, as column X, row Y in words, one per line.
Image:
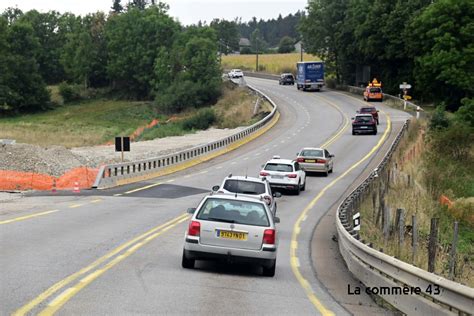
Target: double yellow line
column 95, row 269
column 294, row 262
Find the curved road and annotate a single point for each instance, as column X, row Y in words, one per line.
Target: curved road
column 119, row 251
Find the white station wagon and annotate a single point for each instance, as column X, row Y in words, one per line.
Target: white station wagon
column 232, row 228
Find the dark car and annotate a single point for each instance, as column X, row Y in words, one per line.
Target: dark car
column 286, row 79
column 370, row 110
column 364, row 124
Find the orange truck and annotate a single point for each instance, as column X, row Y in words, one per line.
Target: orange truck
column 373, row 92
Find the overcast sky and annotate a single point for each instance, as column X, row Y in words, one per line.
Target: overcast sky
column 186, row 11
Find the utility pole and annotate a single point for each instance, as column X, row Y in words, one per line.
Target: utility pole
column 301, row 51
column 256, row 43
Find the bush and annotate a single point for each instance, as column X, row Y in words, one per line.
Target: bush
column 245, row 51
column 69, row 92
column 202, row 120
column 331, row 83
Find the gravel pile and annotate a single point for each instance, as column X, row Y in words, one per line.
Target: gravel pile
column 52, row 160
column 56, row 160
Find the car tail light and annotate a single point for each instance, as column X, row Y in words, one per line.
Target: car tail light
column 292, row 175
column 264, row 174
column 267, row 199
column 299, row 159
column 194, row 228
column 269, row 236
column 320, row 161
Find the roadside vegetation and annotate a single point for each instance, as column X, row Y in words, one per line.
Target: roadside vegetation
column 269, row 63
column 437, row 158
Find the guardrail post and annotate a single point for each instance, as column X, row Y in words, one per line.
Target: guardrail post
column 386, row 224
column 452, row 255
column 414, row 238
column 401, row 229
column 433, row 242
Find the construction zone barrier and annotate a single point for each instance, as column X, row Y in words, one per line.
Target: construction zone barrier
column 19, row 181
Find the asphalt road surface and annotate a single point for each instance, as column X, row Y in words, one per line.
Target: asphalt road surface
column 118, row 251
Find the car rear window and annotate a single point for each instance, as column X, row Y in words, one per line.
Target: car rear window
column 289, row 76
column 234, row 211
column 375, row 90
column 279, row 167
column 312, row 153
column 244, row 187
column 366, row 110
column 363, row 119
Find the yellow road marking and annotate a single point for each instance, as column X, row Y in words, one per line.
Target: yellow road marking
column 96, row 201
column 118, row 194
column 297, row 227
column 342, row 130
column 145, row 187
column 57, row 286
column 22, row 218
column 74, row 205
column 69, row 293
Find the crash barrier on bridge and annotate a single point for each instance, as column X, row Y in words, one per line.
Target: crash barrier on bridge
column 128, row 172
column 438, row 296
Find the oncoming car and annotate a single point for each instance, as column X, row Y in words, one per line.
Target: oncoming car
column 286, row 78
column 236, row 73
column 249, row 187
column 284, row 174
column 315, row 160
column 232, row 228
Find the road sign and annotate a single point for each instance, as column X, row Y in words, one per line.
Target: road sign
column 405, row 86
column 356, row 221
column 407, row 97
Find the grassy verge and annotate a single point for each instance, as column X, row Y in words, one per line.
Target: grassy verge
column 84, row 123
column 270, row 63
column 413, row 196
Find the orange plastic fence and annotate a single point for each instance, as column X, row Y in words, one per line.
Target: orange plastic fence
column 138, row 131
column 444, row 200
column 17, row 180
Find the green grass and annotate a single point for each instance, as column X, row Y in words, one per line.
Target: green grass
column 84, row 123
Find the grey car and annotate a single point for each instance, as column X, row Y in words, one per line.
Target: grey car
column 232, row 228
column 249, row 187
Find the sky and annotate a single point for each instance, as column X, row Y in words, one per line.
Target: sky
column 186, row 11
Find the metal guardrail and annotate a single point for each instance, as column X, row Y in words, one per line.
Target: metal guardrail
column 109, row 175
column 378, row 270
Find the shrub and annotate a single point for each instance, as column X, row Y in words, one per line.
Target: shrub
column 331, row 83
column 202, row 120
column 69, row 92
column 245, row 51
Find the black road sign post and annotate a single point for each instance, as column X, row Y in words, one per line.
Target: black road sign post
column 122, row 144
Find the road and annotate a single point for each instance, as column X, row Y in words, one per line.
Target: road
column 119, row 251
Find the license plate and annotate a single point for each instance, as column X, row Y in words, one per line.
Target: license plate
column 277, row 177
column 363, row 127
column 310, row 160
column 231, row 235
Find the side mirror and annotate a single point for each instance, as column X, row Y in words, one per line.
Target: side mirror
column 277, row 194
column 332, row 156
column 215, row 188
column 276, row 220
column 191, row 210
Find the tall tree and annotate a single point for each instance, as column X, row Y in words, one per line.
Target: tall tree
column 134, row 39
column 26, row 90
column 117, row 7
column 443, row 43
column 227, row 35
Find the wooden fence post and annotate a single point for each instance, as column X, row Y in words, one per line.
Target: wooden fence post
column 432, row 245
column 386, row 224
column 452, row 255
column 414, row 238
column 401, row 229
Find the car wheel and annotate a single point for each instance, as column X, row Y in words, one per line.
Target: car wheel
column 269, row 272
column 298, row 189
column 353, row 133
column 377, row 121
column 375, row 132
column 304, row 186
column 332, row 169
column 187, row 263
column 326, row 173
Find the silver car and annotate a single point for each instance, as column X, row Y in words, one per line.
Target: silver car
column 233, row 228
column 249, row 187
column 313, row 159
